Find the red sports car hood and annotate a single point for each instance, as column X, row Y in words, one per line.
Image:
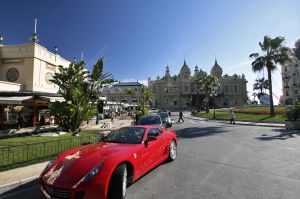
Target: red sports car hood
column 70, row 169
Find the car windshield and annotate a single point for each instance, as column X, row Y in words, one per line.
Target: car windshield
column 164, row 115
column 127, row 135
column 150, row 120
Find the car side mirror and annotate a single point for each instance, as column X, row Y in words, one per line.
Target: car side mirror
column 151, row 138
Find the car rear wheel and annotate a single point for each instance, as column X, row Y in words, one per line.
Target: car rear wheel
column 118, row 183
column 172, row 151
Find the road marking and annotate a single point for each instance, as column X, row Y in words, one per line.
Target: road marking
column 293, row 149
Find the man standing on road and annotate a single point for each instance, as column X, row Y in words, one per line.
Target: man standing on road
column 232, row 118
column 180, row 116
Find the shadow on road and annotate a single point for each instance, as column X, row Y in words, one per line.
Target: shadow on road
column 283, row 135
column 194, row 132
column 29, row 190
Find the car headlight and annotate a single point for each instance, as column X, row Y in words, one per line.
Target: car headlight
column 49, row 164
column 92, row 173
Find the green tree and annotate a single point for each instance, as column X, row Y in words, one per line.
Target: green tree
column 80, row 89
column 273, row 53
column 146, row 96
column 207, row 84
column 130, row 92
column 261, row 84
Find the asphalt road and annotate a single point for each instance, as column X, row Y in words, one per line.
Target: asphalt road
column 218, row 160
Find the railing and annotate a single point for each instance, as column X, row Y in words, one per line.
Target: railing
column 12, row 156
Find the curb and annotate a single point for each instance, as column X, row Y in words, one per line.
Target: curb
column 240, row 123
column 16, row 184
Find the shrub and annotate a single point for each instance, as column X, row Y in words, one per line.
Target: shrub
column 293, row 112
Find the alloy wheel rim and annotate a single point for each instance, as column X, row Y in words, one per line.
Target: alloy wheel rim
column 173, row 150
column 124, row 182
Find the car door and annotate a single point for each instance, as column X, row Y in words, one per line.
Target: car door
column 156, row 147
column 151, row 153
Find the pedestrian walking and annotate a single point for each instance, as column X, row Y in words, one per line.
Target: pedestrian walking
column 42, row 120
column 20, row 121
column 112, row 117
column 137, row 118
column 232, row 117
column 169, row 113
column 180, row 116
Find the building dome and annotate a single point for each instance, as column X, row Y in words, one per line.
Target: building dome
column 216, row 70
column 196, row 70
column 167, row 75
column 185, row 70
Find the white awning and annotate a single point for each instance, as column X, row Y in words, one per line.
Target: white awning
column 54, row 99
column 14, row 100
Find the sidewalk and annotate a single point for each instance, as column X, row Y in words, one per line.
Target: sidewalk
column 106, row 125
column 15, row 178
column 276, row 125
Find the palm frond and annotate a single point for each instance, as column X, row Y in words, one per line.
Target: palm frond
column 258, row 64
column 276, row 42
column 253, row 55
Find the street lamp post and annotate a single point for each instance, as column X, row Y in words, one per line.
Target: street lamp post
column 1, row 39
column 191, row 101
column 213, row 94
column 55, row 49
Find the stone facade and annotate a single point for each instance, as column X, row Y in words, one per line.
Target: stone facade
column 291, row 78
column 290, row 83
column 117, row 93
column 181, row 91
column 28, row 68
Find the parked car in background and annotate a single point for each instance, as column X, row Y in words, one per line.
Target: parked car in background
column 153, row 119
column 166, row 119
column 154, row 110
column 105, row 169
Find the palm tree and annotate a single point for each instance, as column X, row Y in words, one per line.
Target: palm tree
column 273, row 53
column 146, row 96
column 261, row 84
column 130, row 92
column 208, row 84
column 79, row 88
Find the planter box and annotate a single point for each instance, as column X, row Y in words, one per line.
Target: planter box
column 289, row 124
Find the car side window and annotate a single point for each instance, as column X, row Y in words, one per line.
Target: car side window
column 153, row 132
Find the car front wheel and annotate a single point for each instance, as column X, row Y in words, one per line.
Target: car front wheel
column 118, row 183
column 172, row 151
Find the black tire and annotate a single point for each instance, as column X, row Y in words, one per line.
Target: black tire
column 116, row 184
column 172, row 151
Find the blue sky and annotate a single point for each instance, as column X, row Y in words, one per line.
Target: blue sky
column 138, row 38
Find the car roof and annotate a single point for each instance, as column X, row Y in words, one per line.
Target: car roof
column 145, row 126
column 151, row 115
column 164, row 113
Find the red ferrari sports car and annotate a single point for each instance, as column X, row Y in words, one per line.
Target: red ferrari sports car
column 105, row 169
